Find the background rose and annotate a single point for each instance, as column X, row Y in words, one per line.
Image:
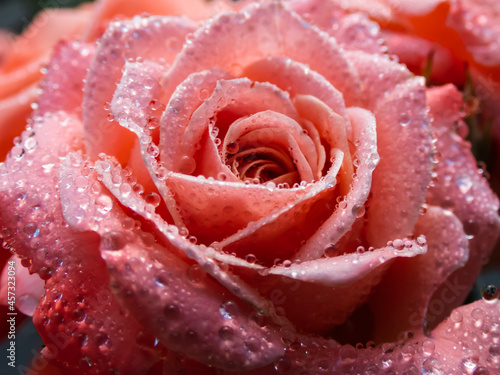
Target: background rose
column 82, row 304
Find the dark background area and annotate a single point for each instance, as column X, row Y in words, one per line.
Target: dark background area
column 15, row 15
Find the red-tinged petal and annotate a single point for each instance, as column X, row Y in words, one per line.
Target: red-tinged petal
column 416, row 53
column 15, row 111
column 460, row 188
column 235, row 40
column 187, row 97
column 405, row 292
column 27, row 289
column 404, row 144
column 137, row 38
column 346, row 279
column 477, row 23
column 189, row 312
column 62, row 87
column 342, row 218
column 80, row 322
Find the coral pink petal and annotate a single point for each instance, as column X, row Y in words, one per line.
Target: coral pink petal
column 27, row 289
column 414, row 281
column 190, row 312
column 188, row 96
column 404, row 144
column 78, row 318
column 62, row 86
column 137, row 38
column 416, row 53
column 15, row 111
column 476, row 21
column 342, row 218
column 460, row 188
column 235, row 40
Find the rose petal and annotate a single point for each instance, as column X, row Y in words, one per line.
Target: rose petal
column 78, row 319
column 414, row 281
column 460, row 187
column 28, row 289
column 235, row 40
column 124, row 40
column 399, row 182
column 63, row 85
column 188, row 312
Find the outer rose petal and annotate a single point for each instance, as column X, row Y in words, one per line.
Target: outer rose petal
column 461, row 188
column 403, row 298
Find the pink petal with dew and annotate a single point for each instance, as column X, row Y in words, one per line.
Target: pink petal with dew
column 461, row 188
column 190, row 312
column 477, row 23
column 413, row 281
column 352, row 207
column 404, row 145
column 135, row 107
column 233, row 41
column 320, row 294
column 131, row 39
column 174, row 239
column 28, row 289
column 187, row 97
column 466, row 342
column 62, row 86
column 79, row 320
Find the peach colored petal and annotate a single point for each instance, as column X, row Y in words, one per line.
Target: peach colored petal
column 77, row 294
column 235, row 40
column 15, row 111
column 189, row 312
column 460, row 187
column 27, row 289
column 131, row 39
column 414, row 281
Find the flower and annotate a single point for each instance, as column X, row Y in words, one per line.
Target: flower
column 250, row 194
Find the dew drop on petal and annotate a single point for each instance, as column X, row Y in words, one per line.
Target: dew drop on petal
column 490, row 292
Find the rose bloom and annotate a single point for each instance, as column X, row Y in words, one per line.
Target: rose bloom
column 251, row 193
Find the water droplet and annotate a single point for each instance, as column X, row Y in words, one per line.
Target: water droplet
column 481, row 371
column 113, row 241
column 282, row 365
column 490, row 292
column 153, row 199
column 171, row 312
column 456, row 317
column 348, row 353
column 78, row 315
column 195, row 273
column 428, row 347
column 228, row 309
column 162, row 277
column 404, row 119
column 104, row 204
column 330, row 251
column 187, row 164
column 146, row 340
column 232, row 147
column 226, row 333
column 101, row 339
column 31, row 230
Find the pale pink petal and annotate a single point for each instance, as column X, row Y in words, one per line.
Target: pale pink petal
column 26, row 289
column 131, row 39
column 189, row 312
column 78, row 317
column 460, row 187
column 235, row 40
column 414, row 281
column 62, row 86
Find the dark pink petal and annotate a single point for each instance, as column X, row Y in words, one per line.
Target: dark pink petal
column 62, row 87
column 461, row 188
column 131, row 39
column 477, row 23
column 78, row 318
column 190, row 312
column 403, row 298
column 404, row 145
column 233, row 41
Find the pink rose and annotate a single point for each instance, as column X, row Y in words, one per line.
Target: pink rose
column 251, row 194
